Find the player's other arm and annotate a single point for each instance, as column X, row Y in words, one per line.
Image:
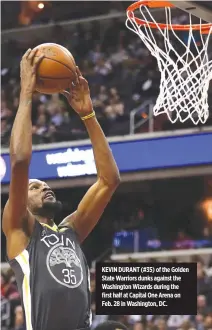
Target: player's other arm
column 97, row 197
column 16, row 218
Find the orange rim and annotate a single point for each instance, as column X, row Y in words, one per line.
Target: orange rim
column 203, row 28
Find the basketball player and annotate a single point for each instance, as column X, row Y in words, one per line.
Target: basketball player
column 50, row 269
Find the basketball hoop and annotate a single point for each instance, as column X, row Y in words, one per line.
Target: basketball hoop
column 185, row 70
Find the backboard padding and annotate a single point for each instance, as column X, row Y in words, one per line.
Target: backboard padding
column 201, row 9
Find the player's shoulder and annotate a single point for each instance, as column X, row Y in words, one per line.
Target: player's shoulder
column 67, row 226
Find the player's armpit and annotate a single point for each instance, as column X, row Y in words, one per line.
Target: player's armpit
column 90, row 209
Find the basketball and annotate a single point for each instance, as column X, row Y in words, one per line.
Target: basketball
column 56, row 69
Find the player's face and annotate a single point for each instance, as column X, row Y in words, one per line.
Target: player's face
column 41, row 199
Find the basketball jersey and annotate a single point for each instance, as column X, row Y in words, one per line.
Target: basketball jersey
column 53, row 280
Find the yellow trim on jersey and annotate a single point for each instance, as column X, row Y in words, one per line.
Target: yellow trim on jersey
column 23, row 260
column 61, row 230
column 25, row 288
column 54, row 227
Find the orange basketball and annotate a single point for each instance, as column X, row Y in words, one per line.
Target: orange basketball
column 56, row 70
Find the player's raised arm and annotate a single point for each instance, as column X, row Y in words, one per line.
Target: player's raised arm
column 97, row 197
column 16, row 217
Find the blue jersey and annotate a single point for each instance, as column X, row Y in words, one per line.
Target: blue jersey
column 53, row 280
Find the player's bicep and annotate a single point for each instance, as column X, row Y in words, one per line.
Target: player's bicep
column 16, row 208
column 90, row 209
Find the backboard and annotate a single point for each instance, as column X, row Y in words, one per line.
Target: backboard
column 201, row 9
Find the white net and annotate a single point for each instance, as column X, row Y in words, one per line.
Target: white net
column 185, row 66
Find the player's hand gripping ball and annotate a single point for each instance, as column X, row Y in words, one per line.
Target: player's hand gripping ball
column 78, row 95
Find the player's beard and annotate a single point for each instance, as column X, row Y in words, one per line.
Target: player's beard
column 49, row 209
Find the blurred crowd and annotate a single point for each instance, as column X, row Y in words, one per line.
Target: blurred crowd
column 121, row 74
column 114, row 68
column 13, row 318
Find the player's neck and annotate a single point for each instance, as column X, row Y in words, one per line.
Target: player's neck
column 47, row 221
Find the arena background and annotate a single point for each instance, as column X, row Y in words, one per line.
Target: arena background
column 163, row 208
